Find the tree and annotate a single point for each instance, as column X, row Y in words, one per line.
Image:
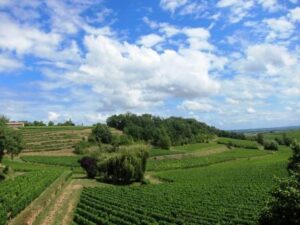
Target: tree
column 3, row 120
column 125, row 166
column 287, row 140
column 162, row 139
column 294, row 162
column 260, row 138
column 270, row 145
column 50, row 123
column 284, row 208
column 90, row 166
column 66, row 123
column 10, row 140
column 101, row 134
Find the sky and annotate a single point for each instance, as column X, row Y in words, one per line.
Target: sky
column 233, row 64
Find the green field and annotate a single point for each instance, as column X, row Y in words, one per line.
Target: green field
column 203, row 183
column 295, row 134
column 233, row 192
column 238, row 143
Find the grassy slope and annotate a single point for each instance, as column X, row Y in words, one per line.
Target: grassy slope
column 293, row 134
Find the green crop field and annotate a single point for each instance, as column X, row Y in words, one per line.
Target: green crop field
column 292, row 133
column 238, row 143
column 52, row 138
column 69, row 161
column 233, row 192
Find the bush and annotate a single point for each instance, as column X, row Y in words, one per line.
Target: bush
column 125, row 166
column 3, row 216
column 90, row 166
column 294, row 162
column 285, row 205
column 101, row 134
column 271, row 145
column 80, row 146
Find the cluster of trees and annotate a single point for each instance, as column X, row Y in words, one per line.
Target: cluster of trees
column 284, row 208
column 164, row 132
column 101, row 134
column 10, row 140
column 284, row 140
column 124, row 166
column 268, row 144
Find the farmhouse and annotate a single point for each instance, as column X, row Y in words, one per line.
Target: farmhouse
column 15, row 124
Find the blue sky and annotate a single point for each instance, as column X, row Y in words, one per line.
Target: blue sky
column 230, row 63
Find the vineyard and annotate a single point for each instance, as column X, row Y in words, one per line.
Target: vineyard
column 238, row 143
column 17, row 193
column 52, row 138
column 227, row 193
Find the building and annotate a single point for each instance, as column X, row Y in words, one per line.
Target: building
column 15, row 124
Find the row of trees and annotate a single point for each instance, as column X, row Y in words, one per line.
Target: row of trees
column 50, row 123
column 273, row 144
column 123, row 166
column 166, row 132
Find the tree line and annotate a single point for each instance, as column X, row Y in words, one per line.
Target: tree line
column 167, row 132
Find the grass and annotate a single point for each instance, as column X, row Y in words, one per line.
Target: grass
column 68, row 161
column 292, row 133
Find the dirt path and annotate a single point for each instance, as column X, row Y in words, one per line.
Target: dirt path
column 61, row 210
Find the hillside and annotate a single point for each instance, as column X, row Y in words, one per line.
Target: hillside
column 52, row 138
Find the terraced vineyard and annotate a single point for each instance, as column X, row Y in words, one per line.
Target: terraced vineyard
column 68, row 161
column 52, row 138
column 233, row 192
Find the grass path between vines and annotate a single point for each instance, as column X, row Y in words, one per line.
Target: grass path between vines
column 62, row 208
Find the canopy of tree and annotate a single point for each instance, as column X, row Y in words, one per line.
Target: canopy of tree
column 165, row 132
column 10, row 139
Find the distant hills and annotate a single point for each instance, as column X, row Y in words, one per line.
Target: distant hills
column 274, row 129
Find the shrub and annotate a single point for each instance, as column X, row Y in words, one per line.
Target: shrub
column 80, row 146
column 284, row 208
column 90, row 166
column 101, row 134
column 271, row 145
column 294, row 162
column 125, row 166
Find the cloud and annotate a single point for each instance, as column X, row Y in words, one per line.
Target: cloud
column 265, row 59
column 280, row 28
column 150, row 40
column 295, row 14
column 53, row 116
column 172, row 5
column 270, row 5
column 251, row 110
column 191, row 105
column 8, row 64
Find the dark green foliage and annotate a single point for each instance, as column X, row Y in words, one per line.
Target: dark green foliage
column 284, row 208
column 81, row 146
column 279, row 140
column 162, row 139
column 270, row 145
column 66, row 123
column 260, row 138
column 101, row 134
column 287, row 140
column 125, row 166
column 50, row 123
column 10, row 140
column 148, row 128
column 231, row 134
column 294, row 163
column 90, row 166
column 38, row 123
column 3, row 216
column 285, row 205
